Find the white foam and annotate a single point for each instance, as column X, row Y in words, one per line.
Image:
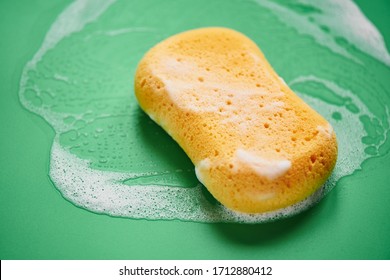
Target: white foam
column 265, row 196
column 274, row 106
column 60, row 77
column 121, row 31
column 350, row 23
column 269, row 168
column 343, row 18
column 350, row 152
column 325, row 130
column 180, row 79
column 203, row 166
column 152, row 117
column 283, row 81
column 104, row 191
column 303, row 25
column 71, row 20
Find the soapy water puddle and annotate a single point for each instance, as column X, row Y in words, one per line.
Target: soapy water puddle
column 109, row 157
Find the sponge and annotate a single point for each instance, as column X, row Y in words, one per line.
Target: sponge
column 256, row 146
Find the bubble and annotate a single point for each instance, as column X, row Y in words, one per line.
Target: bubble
column 109, row 157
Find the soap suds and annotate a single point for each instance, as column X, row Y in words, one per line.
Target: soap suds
column 105, row 192
column 344, row 20
column 327, row 131
column 72, row 19
column 203, row 166
column 352, row 25
column 283, row 81
column 269, row 168
column 274, row 106
column 265, row 197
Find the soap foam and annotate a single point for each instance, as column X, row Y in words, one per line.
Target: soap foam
column 327, row 131
column 271, row 169
column 105, row 192
column 343, row 19
column 350, row 152
column 72, row 19
column 201, row 167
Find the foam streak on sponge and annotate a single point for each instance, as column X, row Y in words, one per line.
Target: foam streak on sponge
column 256, row 146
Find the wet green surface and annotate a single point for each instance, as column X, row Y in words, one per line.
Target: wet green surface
column 37, row 222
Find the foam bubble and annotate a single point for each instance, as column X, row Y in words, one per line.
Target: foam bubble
column 201, row 167
column 78, row 81
column 104, row 192
column 270, row 169
column 72, row 19
column 330, row 20
column 351, row 152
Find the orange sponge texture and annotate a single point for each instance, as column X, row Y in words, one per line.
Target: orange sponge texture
column 256, row 146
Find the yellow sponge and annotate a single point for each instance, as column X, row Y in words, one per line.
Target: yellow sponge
column 256, row 146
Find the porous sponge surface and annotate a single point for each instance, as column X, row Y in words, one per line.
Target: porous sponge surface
column 256, row 146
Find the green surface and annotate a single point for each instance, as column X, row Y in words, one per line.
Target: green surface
column 38, row 223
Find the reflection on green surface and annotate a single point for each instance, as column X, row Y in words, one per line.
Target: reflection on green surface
column 120, row 163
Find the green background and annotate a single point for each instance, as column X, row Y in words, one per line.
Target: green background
column 352, row 222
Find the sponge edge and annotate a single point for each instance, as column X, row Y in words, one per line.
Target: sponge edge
column 256, row 146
